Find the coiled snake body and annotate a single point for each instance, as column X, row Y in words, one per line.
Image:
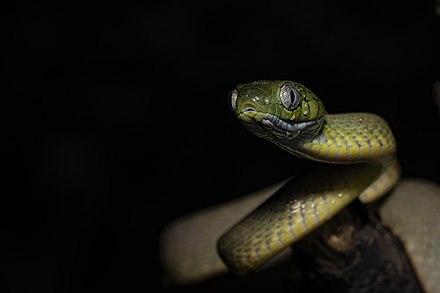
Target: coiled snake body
column 360, row 149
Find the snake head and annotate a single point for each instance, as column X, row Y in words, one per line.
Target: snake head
column 280, row 111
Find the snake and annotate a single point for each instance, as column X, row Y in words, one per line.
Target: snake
column 358, row 152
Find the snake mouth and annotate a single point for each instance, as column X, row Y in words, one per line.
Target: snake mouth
column 272, row 127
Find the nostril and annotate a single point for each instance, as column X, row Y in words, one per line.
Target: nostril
column 249, row 109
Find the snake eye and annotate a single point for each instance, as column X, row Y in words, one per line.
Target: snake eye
column 232, row 101
column 289, row 96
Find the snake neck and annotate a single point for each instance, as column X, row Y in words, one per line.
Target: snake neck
column 348, row 138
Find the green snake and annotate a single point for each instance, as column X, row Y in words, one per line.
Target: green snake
column 360, row 150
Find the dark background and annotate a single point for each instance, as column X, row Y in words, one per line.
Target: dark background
column 117, row 122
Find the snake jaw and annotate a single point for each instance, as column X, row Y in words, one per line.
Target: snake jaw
column 274, row 128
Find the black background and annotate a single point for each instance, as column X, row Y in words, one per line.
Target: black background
column 117, row 122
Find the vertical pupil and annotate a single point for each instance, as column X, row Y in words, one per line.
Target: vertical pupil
column 292, row 97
